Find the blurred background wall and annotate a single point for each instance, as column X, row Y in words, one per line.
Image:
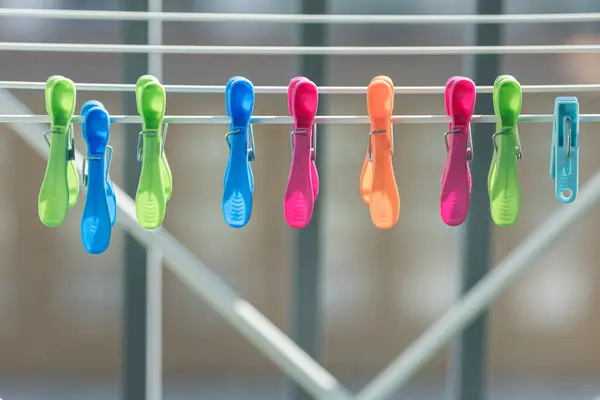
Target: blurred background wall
column 60, row 308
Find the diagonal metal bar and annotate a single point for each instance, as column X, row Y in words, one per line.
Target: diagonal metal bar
column 478, row 299
column 231, row 306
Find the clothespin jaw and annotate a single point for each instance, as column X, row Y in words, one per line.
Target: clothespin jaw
column 60, row 186
column 377, row 180
column 238, row 181
column 110, row 191
column 503, row 179
column 303, row 182
column 456, row 176
column 96, row 221
column 564, row 160
column 151, row 197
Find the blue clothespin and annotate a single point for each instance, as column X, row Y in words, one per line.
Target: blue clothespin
column 239, row 181
column 564, row 160
column 99, row 213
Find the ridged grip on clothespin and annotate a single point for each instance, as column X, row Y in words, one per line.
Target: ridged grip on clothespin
column 238, row 182
column 60, row 186
column 96, row 221
column 151, row 197
column 455, row 193
column 503, row 179
column 303, row 181
column 377, row 180
column 564, row 160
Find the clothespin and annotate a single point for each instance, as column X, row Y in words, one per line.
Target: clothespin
column 503, row 177
column 60, row 186
column 239, row 181
column 110, row 190
column 151, row 197
column 377, row 180
column 303, row 182
column 97, row 220
column 456, row 176
column 164, row 163
column 564, row 160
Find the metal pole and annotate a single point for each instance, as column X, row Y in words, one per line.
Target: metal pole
column 135, row 271
column 306, row 302
column 477, row 300
column 468, row 372
column 154, row 287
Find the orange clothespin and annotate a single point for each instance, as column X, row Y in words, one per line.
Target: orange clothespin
column 377, row 181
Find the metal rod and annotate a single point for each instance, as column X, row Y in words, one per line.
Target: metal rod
column 154, row 322
column 154, row 284
column 556, row 18
column 481, row 296
column 135, row 329
column 219, row 89
column 240, row 314
column 298, row 50
column 306, row 264
column 468, row 371
column 284, row 120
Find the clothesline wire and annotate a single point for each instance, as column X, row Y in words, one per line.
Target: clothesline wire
column 299, row 18
column 286, row 120
column 298, row 50
column 220, row 89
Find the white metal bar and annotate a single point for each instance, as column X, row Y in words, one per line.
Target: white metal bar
column 468, row 307
column 220, row 89
column 154, row 257
column 299, row 50
column 301, row 19
column 155, row 38
column 154, row 327
column 282, row 120
column 261, row 332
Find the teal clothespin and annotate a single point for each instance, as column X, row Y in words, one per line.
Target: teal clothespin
column 564, row 159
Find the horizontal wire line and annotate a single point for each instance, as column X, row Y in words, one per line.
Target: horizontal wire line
column 216, row 89
column 298, row 18
column 298, row 50
column 284, row 120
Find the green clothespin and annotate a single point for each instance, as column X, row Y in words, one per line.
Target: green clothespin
column 60, row 187
column 503, row 178
column 165, row 170
column 151, row 197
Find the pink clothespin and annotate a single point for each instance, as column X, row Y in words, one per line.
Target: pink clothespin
column 456, row 177
column 303, row 183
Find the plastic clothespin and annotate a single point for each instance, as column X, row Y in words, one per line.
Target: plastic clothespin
column 60, row 186
column 165, row 169
column 303, row 182
column 151, row 196
column 97, row 220
column 503, row 177
column 564, row 160
column 377, row 179
column 238, row 181
column 110, row 191
column 456, row 176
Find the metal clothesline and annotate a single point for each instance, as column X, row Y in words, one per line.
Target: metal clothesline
column 220, row 89
column 297, row 50
column 284, row 120
column 299, row 18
